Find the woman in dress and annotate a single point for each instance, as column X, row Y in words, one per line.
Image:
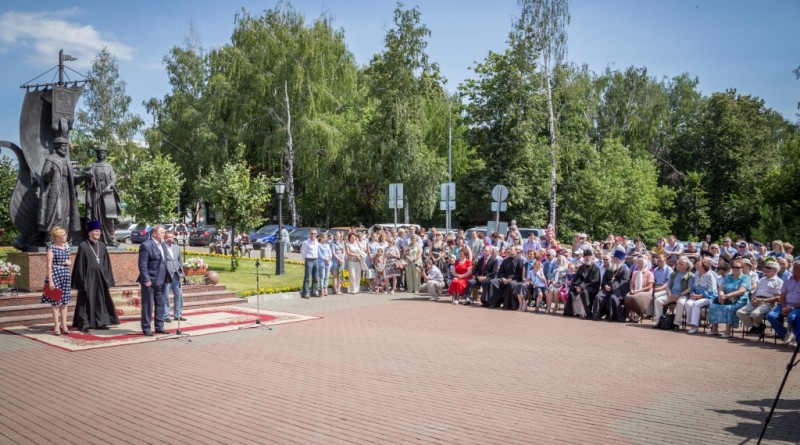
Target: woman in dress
column 639, row 299
column 556, row 281
column 58, row 276
column 703, row 291
column 437, row 253
column 337, row 261
column 392, row 268
column 462, row 274
column 734, row 293
column 354, row 256
column 413, row 259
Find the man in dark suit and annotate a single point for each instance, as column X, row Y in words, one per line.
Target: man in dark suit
column 174, row 270
column 509, row 274
column 482, row 272
column 152, row 279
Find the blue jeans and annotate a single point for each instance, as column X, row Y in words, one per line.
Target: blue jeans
column 324, row 273
column 776, row 321
column 177, row 297
column 310, row 274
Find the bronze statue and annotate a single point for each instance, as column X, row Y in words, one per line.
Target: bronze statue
column 58, row 204
column 102, row 196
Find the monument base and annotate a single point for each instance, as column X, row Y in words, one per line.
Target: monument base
column 33, row 265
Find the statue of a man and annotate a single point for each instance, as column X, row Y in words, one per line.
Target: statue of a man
column 58, row 203
column 102, row 196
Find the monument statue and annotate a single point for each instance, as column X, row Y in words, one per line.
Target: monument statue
column 102, row 196
column 58, row 203
column 45, row 192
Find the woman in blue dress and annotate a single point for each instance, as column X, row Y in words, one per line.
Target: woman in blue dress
column 734, row 293
column 58, row 276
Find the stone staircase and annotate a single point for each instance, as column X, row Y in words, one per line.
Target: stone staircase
column 26, row 308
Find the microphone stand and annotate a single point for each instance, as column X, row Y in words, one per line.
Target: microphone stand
column 257, row 323
column 792, row 363
column 178, row 334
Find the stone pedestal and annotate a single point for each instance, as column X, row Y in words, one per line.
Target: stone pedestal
column 33, row 267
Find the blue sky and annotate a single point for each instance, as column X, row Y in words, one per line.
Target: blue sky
column 747, row 45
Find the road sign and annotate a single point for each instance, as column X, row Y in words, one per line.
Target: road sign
column 493, row 226
column 503, row 206
column 396, row 195
column 448, row 191
column 499, row 193
column 443, row 205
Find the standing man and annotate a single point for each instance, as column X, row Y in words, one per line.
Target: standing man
column 93, row 278
column 153, row 277
column 175, row 270
column 310, row 251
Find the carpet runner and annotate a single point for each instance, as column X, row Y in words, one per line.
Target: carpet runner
column 128, row 332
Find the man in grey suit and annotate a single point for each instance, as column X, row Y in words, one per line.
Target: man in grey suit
column 174, row 270
column 153, row 277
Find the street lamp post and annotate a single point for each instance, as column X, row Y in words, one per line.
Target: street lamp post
column 279, row 189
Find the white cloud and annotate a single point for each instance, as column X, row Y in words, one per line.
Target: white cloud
column 43, row 34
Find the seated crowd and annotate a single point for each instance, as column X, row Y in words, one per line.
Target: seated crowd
column 672, row 284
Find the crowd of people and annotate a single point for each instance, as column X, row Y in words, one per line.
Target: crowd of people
column 620, row 280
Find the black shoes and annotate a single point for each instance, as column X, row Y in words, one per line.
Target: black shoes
column 304, row 296
column 103, row 328
column 147, row 334
column 162, row 331
column 167, row 320
column 180, row 318
column 85, row 329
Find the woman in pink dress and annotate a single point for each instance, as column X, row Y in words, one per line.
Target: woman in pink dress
column 463, row 272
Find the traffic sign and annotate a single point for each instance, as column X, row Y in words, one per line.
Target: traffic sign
column 503, row 206
column 499, row 193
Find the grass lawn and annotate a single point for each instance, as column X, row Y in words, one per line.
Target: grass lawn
column 245, row 277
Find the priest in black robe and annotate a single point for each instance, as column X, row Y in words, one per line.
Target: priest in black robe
column 501, row 288
column 615, row 286
column 584, row 286
column 93, row 278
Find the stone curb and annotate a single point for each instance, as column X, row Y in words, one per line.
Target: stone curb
column 265, row 298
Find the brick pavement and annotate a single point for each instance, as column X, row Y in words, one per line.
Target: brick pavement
column 393, row 369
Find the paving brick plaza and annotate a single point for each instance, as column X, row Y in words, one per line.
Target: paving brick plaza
column 392, row 369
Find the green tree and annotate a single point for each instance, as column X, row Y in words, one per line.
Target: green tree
column 105, row 117
column 693, row 218
column 183, row 126
column 154, row 189
column 236, row 197
column 401, row 82
column 541, row 33
column 8, row 180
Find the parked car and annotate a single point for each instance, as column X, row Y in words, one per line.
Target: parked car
column 344, row 230
column 479, row 229
column 140, row 233
column 390, row 226
column 123, row 233
column 267, row 236
column 297, row 236
column 202, row 236
column 525, row 232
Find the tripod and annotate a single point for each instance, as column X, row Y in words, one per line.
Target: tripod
column 257, row 323
column 792, row 363
column 177, row 335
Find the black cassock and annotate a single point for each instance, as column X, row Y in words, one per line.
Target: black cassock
column 93, row 278
column 611, row 303
column 587, row 277
column 510, row 269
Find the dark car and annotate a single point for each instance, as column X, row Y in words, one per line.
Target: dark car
column 267, row 236
column 202, row 236
column 297, row 236
column 123, row 233
column 140, row 233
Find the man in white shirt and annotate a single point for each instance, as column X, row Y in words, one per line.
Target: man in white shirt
column 434, row 281
column 310, row 251
column 673, row 248
column 762, row 299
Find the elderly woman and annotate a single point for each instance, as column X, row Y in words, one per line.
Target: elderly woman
column 555, row 283
column 413, row 260
column 734, row 294
column 640, row 298
column 703, row 291
column 777, row 249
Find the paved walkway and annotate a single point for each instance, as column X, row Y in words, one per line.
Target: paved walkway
column 393, row 369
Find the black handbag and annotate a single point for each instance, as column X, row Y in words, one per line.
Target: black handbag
column 666, row 321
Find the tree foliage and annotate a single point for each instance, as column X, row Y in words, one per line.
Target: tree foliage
column 154, row 188
column 8, row 179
